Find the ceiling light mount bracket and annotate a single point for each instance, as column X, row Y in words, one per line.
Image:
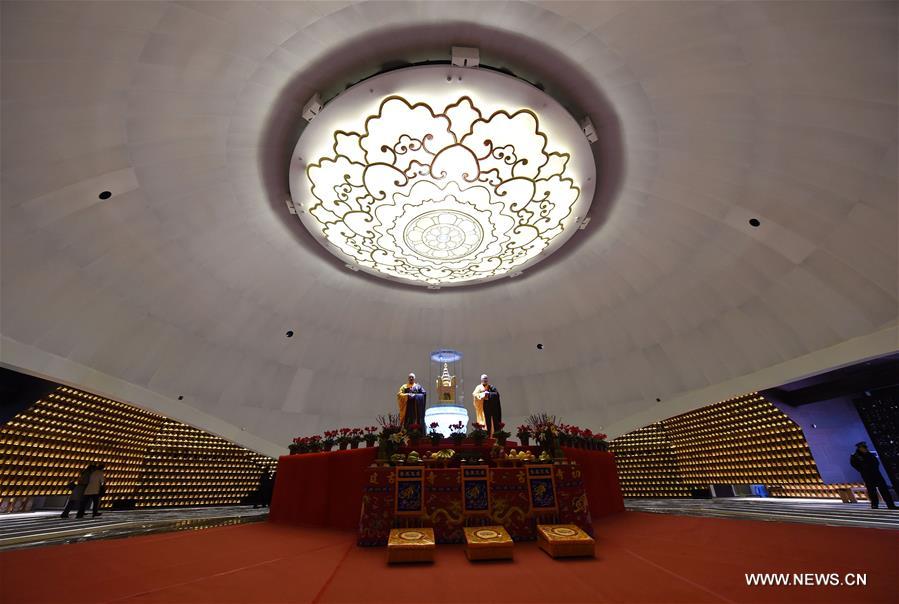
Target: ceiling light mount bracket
column 463, row 56
column 313, row 107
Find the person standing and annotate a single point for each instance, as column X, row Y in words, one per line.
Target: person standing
column 492, row 413
column 868, row 466
column 96, row 485
column 77, row 493
column 411, row 401
column 264, row 493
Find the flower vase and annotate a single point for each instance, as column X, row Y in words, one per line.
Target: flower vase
column 343, row 446
column 354, row 445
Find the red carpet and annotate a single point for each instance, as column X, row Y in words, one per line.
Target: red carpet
column 640, row 558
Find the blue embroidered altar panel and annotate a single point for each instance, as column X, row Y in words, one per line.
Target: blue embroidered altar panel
column 409, row 491
column 476, row 490
column 542, row 489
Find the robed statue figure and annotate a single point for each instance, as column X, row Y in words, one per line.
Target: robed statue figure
column 411, row 400
column 487, row 407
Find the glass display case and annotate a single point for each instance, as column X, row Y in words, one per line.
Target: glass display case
column 446, row 404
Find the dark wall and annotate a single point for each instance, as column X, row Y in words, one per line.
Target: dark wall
column 879, row 411
column 831, row 429
column 19, row 391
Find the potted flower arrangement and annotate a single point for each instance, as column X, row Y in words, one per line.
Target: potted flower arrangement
column 399, row 439
column 434, row 435
column 546, row 431
column 524, row 434
column 458, row 434
column 414, row 433
column 501, row 435
column 329, row 440
column 355, row 438
column 344, row 436
column 599, row 442
column 390, row 425
column 478, row 434
column 297, row 446
column 564, row 434
column 314, row 444
column 370, row 437
column 585, row 438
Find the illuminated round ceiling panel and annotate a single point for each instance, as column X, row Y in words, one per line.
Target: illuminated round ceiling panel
column 442, row 176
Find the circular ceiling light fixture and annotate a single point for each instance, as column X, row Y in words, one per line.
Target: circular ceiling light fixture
column 442, row 176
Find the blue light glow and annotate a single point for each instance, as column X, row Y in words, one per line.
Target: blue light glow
column 445, row 355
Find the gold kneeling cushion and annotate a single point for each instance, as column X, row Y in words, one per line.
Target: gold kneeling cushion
column 564, row 540
column 411, row 545
column 488, row 543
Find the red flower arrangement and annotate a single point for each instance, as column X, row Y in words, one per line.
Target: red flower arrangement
column 306, row 444
column 457, row 435
column 344, row 436
column 500, row 434
column 434, row 435
column 478, row 433
column 541, row 425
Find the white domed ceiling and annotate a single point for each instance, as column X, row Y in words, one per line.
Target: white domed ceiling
column 186, row 279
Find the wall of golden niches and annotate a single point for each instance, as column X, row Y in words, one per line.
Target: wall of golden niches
column 647, row 464
column 150, row 459
column 744, row 440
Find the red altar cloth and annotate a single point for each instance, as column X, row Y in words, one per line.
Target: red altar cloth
column 321, row 489
column 325, row 489
column 600, row 480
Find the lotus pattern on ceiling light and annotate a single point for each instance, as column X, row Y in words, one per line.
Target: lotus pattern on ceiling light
column 442, row 196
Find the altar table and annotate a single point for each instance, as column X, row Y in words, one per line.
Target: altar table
column 519, row 498
column 325, row 489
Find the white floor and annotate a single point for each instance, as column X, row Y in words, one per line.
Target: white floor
column 831, row 512
column 45, row 528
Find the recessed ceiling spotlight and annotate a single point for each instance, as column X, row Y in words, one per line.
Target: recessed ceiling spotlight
column 754, row 222
column 289, row 333
column 658, row 400
column 436, row 185
column 180, row 397
column 539, row 346
column 105, row 195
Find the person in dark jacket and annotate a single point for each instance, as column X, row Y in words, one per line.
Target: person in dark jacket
column 264, row 492
column 77, row 487
column 868, row 466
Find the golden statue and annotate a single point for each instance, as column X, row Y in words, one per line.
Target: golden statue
column 446, row 387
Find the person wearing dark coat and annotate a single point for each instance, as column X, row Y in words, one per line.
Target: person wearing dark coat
column 868, row 466
column 264, row 492
column 77, row 487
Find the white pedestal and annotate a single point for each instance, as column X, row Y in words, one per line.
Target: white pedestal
column 445, row 415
